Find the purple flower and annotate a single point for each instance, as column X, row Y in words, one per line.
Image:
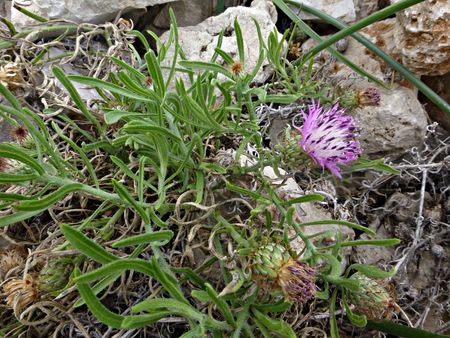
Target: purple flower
column 296, row 280
column 328, row 137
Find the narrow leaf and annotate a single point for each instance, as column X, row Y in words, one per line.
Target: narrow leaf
column 162, row 236
column 86, row 245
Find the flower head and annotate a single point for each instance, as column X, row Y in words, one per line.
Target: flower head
column 328, row 137
column 369, row 97
column 373, row 299
column 273, row 268
column 20, row 292
column 236, row 68
column 296, row 280
column 362, row 98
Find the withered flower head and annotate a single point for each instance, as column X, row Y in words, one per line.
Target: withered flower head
column 20, row 292
column 236, row 68
column 19, row 134
column 11, row 259
column 11, row 75
column 148, row 81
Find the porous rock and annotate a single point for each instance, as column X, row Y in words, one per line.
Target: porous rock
column 425, row 43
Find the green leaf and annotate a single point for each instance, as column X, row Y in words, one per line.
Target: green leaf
column 304, row 199
column 279, row 306
column 212, row 67
column 10, row 97
column 278, row 326
column 162, row 236
column 239, row 41
column 16, row 178
column 115, row 115
column 336, row 268
column 221, row 304
column 399, row 330
column 377, row 242
column 372, row 271
column 201, row 296
column 86, row 245
column 334, row 329
column 349, row 224
column 18, row 217
column 98, row 309
column 363, row 163
column 64, row 79
column 123, row 193
column 108, row 86
column 155, row 72
column 86, row 161
column 15, row 153
column 49, row 200
column 150, row 305
column 136, row 322
column 118, row 265
column 358, row 320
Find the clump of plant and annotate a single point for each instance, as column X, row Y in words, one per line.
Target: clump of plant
column 161, row 175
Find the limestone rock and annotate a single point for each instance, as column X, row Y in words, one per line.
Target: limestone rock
column 394, row 127
column 364, row 8
column 193, row 12
column 343, row 10
column 198, row 42
column 426, row 38
column 86, row 11
column 187, row 13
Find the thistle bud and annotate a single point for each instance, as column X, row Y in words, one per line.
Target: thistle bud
column 55, row 274
column 372, row 299
column 273, row 268
column 349, row 98
column 291, row 151
column 365, row 97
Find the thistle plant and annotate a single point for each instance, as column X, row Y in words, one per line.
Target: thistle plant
column 150, row 171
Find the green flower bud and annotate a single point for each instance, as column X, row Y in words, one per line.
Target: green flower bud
column 292, row 152
column 372, row 299
column 55, row 274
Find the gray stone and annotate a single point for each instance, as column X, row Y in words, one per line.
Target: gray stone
column 86, row 11
column 394, row 127
column 198, row 42
column 343, row 10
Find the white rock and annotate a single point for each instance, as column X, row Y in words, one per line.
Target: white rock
column 399, row 122
column 364, row 8
column 343, row 10
column 86, row 11
column 193, row 12
column 198, row 42
column 394, row 127
column 187, row 13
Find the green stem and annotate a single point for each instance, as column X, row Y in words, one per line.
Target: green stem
column 114, row 198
